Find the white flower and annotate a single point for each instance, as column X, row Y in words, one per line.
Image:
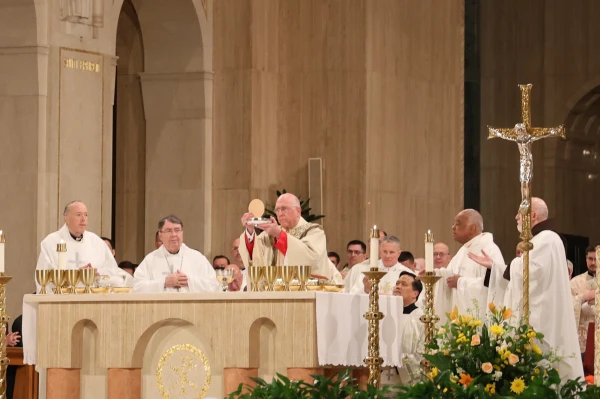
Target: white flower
column 497, row 375
column 459, row 370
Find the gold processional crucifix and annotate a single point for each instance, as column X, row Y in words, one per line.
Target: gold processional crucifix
column 524, row 135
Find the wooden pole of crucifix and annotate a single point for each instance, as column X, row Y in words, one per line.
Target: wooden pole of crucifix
column 524, row 135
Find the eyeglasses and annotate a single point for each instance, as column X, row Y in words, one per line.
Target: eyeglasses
column 172, row 231
column 351, row 252
column 282, row 209
column 439, row 254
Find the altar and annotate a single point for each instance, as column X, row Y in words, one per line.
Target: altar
column 186, row 345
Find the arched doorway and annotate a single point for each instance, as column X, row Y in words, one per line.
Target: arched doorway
column 163, row 124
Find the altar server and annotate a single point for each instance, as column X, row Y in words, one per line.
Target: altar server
column 174, row 267
column 84, row 248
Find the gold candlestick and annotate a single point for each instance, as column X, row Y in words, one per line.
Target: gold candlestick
column 429, row 317
column 374, row 316
column 3, row 328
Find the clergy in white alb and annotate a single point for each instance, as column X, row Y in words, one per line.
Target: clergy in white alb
column 84, row 249
column 464, row 282
column 288, row 241
column 550, row 301
column 174, row 267
column 583, row 290
column 389, row 250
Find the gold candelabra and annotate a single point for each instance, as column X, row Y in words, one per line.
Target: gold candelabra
column 374, row 316
column 524, row 135
column 429, row 317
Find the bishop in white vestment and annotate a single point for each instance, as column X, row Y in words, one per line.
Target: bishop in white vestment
column 389, row 250
column 293, row 241
column 174, row 267
column 464, row 282
column 84, row 249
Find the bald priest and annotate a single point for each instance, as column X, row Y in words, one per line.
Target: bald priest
column 84, row 248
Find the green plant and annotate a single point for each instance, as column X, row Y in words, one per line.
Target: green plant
column 339, row 386
column 470, row 359
column 305, row 205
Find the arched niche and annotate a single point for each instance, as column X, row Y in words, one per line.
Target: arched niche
column 84, row 355
column 262, row 346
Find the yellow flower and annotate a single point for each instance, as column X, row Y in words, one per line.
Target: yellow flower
column 490, row 388
column 475, row 340
column 513, row 359
column 487, row 367
column 434, row 372
column 506, row 314
column 536, row 370
column 536, row 349
column 496, row 329
column 518, row 386
column 492, row 307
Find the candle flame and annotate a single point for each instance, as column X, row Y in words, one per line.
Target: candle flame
column 62, row 241
column 374, row 227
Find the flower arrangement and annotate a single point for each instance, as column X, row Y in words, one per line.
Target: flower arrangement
column 470, row 359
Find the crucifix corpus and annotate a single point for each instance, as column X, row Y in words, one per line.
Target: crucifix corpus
column 524, row 135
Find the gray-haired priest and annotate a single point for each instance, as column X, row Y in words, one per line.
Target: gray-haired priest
column 84, row 248
column 293, row 241
column 174, row 267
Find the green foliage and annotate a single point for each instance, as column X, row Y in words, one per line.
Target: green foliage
column 337, row 387
column 305, row 205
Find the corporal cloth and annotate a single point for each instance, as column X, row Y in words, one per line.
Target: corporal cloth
column 157, row 265
column 342, row 332
column 550, row 300
column 354, row 280
column 472, row 291
column 89, row 249
column 305, row 244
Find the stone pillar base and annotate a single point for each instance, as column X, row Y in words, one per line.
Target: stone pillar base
column 233, row 377
column 304, row 374
column 63, row 383
column 125, row 383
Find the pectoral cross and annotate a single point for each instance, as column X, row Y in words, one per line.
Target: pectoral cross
column 76, row 261
column 523, row 134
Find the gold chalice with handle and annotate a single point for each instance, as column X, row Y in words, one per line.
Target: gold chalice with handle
column 287, row 273
column 43, row 277
column 303, row 274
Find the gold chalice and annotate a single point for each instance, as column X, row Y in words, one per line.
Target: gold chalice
column 255, row 273
column 58, row 278
column 87, row 278
column 287, row 273
column 303, row 273
column 43, row 278
column 270, row 274
column 73, row 277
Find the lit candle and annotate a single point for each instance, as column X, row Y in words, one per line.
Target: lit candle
column 2, row 241
column 374, row 248
column 61, row 248
column 429, row 251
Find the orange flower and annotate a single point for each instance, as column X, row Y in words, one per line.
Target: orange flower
column 513, row 359
column 475, row 340
column 487, row 367
column 506, row 314
column 454, row 313
column 492, row 307
column 465, row 379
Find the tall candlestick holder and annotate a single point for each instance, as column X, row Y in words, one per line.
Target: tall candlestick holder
column 429, row 318
column 374, row 316
column 3, row 328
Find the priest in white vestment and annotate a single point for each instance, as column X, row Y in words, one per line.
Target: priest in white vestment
column 583, row 290
column 389, row 251
column 174, row 267
column 291, row 242
column 84, row 249
column 464, row 282
column 550, row 301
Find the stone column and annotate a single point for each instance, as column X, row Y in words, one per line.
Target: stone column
column 125, row 383
column 233, row 377
column 63, row 383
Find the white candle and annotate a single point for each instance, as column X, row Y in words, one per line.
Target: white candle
column 429, row 251
column 62, row 255
column 374, row 248
column 2, row 239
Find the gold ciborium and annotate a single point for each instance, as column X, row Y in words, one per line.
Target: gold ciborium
column 303, row 274
column 73, row 277
column 270, row 275
column 43, row 277
column 87, row 278
column 287, row 273
column 255, row 273
column 58, row 278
